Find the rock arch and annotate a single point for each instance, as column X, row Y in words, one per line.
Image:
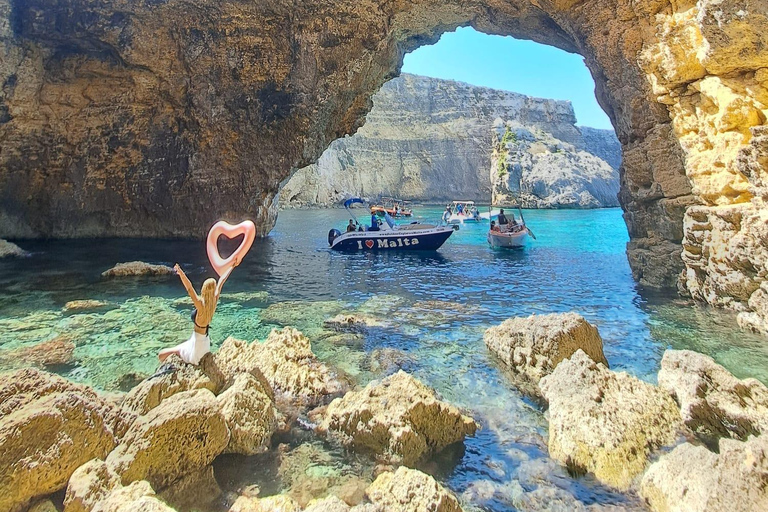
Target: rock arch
column 125, row 118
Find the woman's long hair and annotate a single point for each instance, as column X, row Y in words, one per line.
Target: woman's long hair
column 208, row 292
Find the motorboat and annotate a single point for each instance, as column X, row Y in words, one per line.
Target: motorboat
column 510, row 235
column 385, row 235
column 394, row 207
column 459, row 212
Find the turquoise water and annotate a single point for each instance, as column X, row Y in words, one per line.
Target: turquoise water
column 433, row 309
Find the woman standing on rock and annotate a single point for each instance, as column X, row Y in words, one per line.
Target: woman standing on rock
column 199, row 344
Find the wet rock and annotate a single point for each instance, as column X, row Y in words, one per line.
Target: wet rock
column 606, row 422
column 535, row 345
column 714, row 403
column 78, row 306
column 388, row 360
column 195, row 491
column 180, row 436
column 250, row 415
column 300, row 313
column 89, row 484
column 398, row 418
column 692, row 479
column 138, row 268
column 10, row 249
column 173, row 377
column 409, row 490
column 345, row 322
column 54, row 352
column 48, row 428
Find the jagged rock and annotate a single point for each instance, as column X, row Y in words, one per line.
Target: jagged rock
column 396, row 418
column 180, row 436
column 89, row 484
column 43, row 506
column 180, row 377
column 278, row 503
column 329, row 504
column 195, row 491
column 77, row 306
column 48, row 428
column 604, row 422
column 10, row 249
column 356, row 323
column 250, row 415
column 287, row 363
column 409, row 490
column 138, row 268
column 714, row 403
column 693, row 479
column 135, row 497
column 535, row 345
column 57, row 351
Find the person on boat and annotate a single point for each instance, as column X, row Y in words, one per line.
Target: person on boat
column 199, row 344
column 459, row 209
column 447, row 214
column 503, row 221
column 351, row 226
column 494, row 227
column 374, row 223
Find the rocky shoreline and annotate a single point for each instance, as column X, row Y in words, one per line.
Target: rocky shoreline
column 694, row 442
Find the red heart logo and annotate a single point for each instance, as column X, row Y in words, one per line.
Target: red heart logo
column 219, row 264
column 369, row 244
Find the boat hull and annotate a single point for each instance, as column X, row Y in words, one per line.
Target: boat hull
column 389, row 241
column 508, row 240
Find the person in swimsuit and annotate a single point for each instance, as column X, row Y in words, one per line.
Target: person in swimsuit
column 199, row 344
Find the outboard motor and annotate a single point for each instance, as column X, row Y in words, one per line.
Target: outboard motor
column 332, row 234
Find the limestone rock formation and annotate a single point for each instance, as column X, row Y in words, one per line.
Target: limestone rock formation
column 10, row 249
column 397, row 418
column 180, row 436
column 194, row 491
column 351, row 323
column 77, row 306
column 605, row 422
column 535, row 345
column 532, row 168
column 249, row 414
column 277, row 503
column 137, row 496
column 137, row 268
column 426, row 139
column 693, row 479
column 89, row 484
column 603, row 144
column 409, row 490
column 48, row 428
column 57, row 351
column 714, row 403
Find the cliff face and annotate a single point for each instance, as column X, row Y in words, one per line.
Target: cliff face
column 603, row 144
column 156, row 118
column 429, row 140
column 537, row 170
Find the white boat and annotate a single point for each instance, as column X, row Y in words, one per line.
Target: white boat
column 459, row 212
column 513, row 234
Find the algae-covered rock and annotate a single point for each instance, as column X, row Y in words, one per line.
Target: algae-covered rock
column 89, row 484
column 250, row 415
column 397, row 418
column 535, row 345
column 138, row 268
column 693, row 479
column 714, row 403
column 48, row 428
column 409, row 490
column 180, row 436
column 606, row 422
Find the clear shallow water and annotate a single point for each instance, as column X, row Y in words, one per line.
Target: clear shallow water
column 433, row 308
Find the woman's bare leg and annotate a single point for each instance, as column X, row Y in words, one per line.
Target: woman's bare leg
column 163, row 355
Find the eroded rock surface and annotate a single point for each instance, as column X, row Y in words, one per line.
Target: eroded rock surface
column 409, row 490
column 138, row 268
column 604, row 422
column 250, row 415
column 10, row 249
column 396, row 418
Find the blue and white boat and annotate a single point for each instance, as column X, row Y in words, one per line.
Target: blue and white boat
column 387, row 236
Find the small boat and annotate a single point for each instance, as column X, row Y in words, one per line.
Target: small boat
column 388, row 236
column 394, row 207
column 459, row 212
column 510, row 235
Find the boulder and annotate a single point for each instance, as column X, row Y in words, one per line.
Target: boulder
column 692, row 479
column 278, row 503
column 89, row 484
column 409, row 490
column 136, row 497
column 138, row 268
column 250, row 415
column 532, row 347
column 397, row 418
column 180, row 436
column 714, row 403
column 606, row 422
column 48, row 428
column 10, row 249
column 234, row 358
column 179, row 377
column 329, row 504
column 287, row 363
column 43, row 506
column 196, row 491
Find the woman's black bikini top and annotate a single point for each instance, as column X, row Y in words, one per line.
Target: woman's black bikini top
column 193, row 316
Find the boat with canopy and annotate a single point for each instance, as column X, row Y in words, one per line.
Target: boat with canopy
column 392, row 206
column 459, row 212
column 507, row 232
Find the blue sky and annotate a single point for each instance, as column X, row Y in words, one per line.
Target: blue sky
column 513, row 65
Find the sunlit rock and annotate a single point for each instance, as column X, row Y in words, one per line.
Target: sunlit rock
column 409, row 490
column 277, row 503
column 11, row 249
column 249, row 414
column 604, row 422
column 137, row 496
column 89, row 484
column 48, row 428
column 138, row 268
column 714, row 403
column 693, row 479
column 345, row 322
column 396, row 418
column 78, row 306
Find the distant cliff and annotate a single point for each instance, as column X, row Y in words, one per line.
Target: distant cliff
column 432, row 140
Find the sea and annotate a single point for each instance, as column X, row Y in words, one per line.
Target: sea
column 431, row 310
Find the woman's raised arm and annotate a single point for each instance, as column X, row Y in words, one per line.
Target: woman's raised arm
column 190, row 289
column 224, row 278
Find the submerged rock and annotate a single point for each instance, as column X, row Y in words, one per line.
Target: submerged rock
column 138, row 268
column 606, row 422
column 409, row 490
column 357, row 323
column 48, row 428
column 535, row 345
column 714, row 403
column 54, row 352
column 77, row 306
column 398, row 418
column 10, row 249
column 250, row 415
column 180, row 436
column 693, row 479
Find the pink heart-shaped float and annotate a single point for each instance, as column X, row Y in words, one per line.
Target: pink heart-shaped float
column 369, row 244
column 219, row 264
